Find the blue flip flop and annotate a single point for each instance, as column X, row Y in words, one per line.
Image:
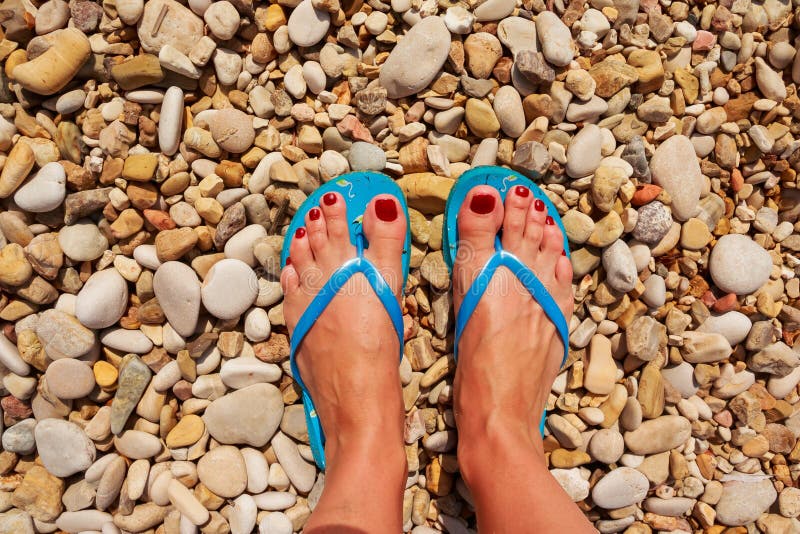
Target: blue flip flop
column 358, row 189
column 503, row 180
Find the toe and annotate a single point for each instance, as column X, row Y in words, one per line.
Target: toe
column 564, row 281
column 290, row 280
column 551, row 247
column 300, row 252
column 317, row 231
column 335, row 211
column 534, row 227
column 385, row 230
column 516, row 210
column 479, row 220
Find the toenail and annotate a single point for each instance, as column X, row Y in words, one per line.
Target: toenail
column 288, row 261
column 482, row 204
column 522, row 191
column 386, row 209
column 549, row 220
column 314, row 214
column 538, row 205
column 300, row 232
column 563, row 252
column 329, row 199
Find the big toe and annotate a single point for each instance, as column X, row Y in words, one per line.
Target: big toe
column 385, row 229
column 479, row 220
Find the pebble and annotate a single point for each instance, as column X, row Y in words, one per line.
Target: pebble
column 223, row 472
column 45, row 191
column 744, row 500
column 658, row 435
column 69, row 379
column 63, row 447
column 739, row 265
column 63, row 336
column 554, row 38
column 247, row 416
column 679, row 176
column 366, row 157
column 178, row 291
column 82, row 241
column 621, row 487
column 102, row 300
column 301, row 473
column 308, row 25
column 583, row 152
column 229, row 288
column 415, row 61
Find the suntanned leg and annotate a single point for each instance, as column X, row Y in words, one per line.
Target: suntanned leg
column 349, row 362
column 509, row 356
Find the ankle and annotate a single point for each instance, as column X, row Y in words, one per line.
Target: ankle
column 495, row 437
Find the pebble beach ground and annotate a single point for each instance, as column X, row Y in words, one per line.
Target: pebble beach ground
column 152, row 153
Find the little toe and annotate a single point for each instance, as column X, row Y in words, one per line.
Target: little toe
column 385, row 229
column 317, row 231
column 290, row 280
column 335, row 211
column 479, row 220
column 516, row 211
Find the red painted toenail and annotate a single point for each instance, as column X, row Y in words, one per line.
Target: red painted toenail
column 549, row 220
column 482, row 204
column 386, row 209
column 329, row 199
column 314, row 214
column 538, row 205
column 288, row 261
column 563, row 252
column 522, row 191
column 300, row 232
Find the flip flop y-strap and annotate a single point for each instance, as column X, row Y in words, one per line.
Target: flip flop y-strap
column 337, row 280
column 503, row 258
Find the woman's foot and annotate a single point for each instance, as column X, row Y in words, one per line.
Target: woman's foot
column 509, row 355
column 510, row 351
column 349, row 358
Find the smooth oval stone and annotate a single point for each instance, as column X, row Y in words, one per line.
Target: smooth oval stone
column 128, row 341
column 240, row 245
column 733, row 325
column 45, row 191
column 63, row 336
column 257, row 470
column 170, row 120
column 673, row 507
column 64, row 448
column 275, row 500
column 102, row 300
column 137, row 445
column 83, row 520
column 229, row 288
column 739, row 265
column 69, row 379
column 678, row 174
column 507, row 107
column 621, row 487
column 10, row 358
column 416, row 60
column 658, row 435
column 584, row 152
column 185, row 501
column 177, row 288
column 19, row 438
column 223, row 472
column 517, row 33
column 301, row 473
column 82, row 241
column 308, row 25
column 743, row 501
column 238, row 373
column 248, row 416
column 494, row 10
column 555, row 39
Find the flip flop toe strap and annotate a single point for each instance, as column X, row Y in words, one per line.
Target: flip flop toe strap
column 315, row 309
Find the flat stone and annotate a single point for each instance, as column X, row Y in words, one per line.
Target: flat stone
column 743, row 501
column 69, row 379
column 222, row 471
column 621, row 487
column 179, row 27
column 678, row 175
column 658, row 435
column 45, row 191
column 248, row 416
column 739, row 265
column 133, row 379
column 229, row 288
column 178, row 291
column 63, row 336
column 63, row 447
column 416, row 60
column 102, row 300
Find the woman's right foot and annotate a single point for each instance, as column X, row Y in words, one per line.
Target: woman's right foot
column 510, row 351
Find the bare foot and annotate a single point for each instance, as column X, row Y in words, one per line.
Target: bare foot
column 510, row 352
column 509, row 355
column 349, row 358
